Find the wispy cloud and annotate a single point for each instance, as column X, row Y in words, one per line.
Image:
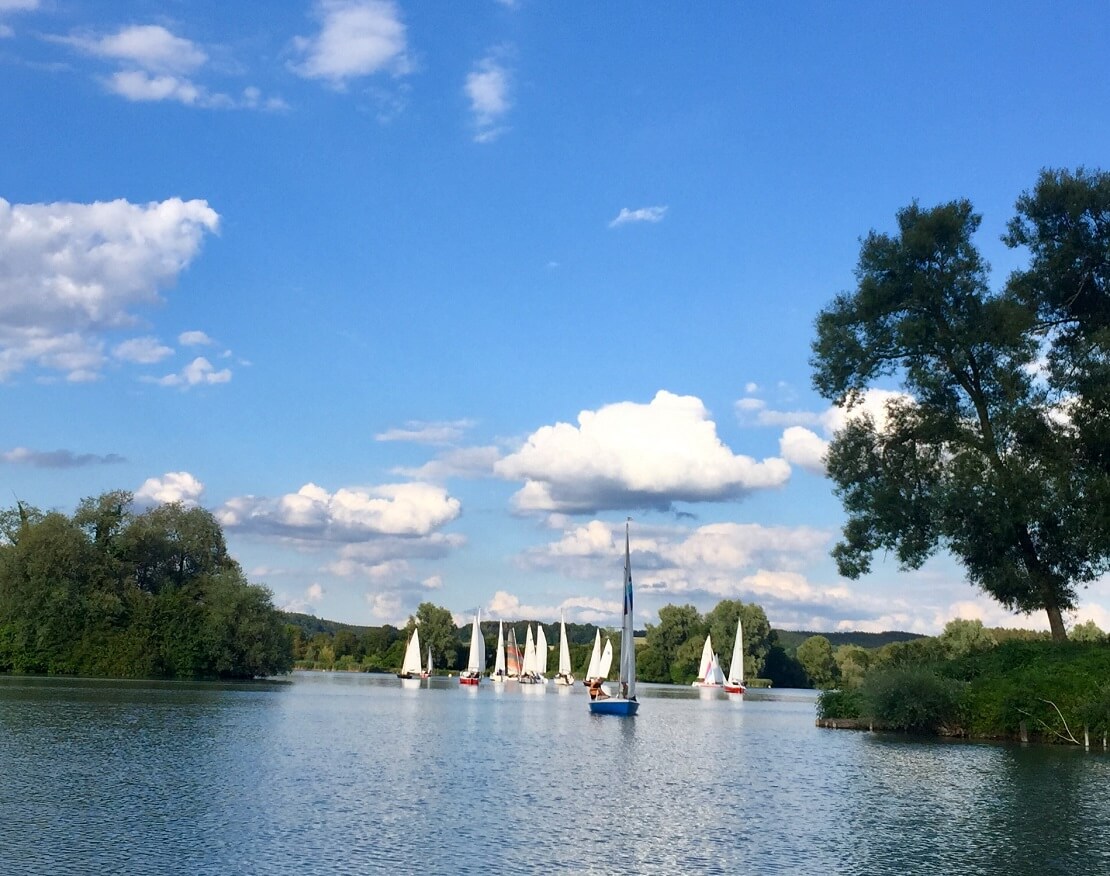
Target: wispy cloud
column 642, row 214
column 420, row 432
column 57, row 458
column 487, row 86
column 144, row 350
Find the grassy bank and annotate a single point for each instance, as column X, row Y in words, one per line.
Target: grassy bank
column 1035, row 690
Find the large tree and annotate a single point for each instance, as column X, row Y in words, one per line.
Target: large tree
column 973, row 456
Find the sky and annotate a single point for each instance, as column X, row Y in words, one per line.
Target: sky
column 424, row 300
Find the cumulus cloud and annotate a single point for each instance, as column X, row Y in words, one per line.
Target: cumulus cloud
column 487, row 87
column 194, row 339
column 347, row 515
column 173, row 486
column 357, row 38
column 420, row 432
column 72, row 272
column 642, row 214
column 803, row 448
column 199, row 372
column 144, row 350
column 630, row 455
column 57, row 458
column 157, row 65
column 390, row 555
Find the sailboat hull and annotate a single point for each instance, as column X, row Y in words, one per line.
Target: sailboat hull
column 614, row 706
column 464, row 679
column 734, row 688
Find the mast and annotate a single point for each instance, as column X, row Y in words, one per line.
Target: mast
column 628, row 646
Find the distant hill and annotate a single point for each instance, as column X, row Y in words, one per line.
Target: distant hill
column 310, row 625
column 791, row 639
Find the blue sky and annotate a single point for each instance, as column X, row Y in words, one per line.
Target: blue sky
column 422, row 300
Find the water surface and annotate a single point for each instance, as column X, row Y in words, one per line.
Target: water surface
column 350, row 773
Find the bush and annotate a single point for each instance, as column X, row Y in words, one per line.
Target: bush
column 910, row 698
column 839, row 704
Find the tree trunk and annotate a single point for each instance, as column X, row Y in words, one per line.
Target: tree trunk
column 1056, row 623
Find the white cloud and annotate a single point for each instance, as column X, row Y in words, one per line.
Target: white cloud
column 630, row 455
column 73, row 271
column 194, row 339
column 419, row 432
column 143, row 350
column 803, row 448
column 463, row 462
column 199, row 372
column 357, row 38
column 643, row 214
column 487, row 86
column 18, row 5
column 755, row 410
column 349, row 514
column 140, row 86
column 173, row 486
column 150, row 47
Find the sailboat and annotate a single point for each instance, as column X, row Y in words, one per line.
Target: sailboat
column 625, row 703
column 427, row 673
column 735, row 682
column 528, row 669
column 564, row 676
column 541, row 654
column 606, row 660
column 512, row 657
column 410, row 667
column 499, row 656
column 593, row 670
column 477, row 661
column 709, row 667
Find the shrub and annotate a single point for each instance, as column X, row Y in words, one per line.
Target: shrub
column 839, row 704
column 910, row 698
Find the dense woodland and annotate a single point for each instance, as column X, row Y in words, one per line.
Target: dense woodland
column 109, row 591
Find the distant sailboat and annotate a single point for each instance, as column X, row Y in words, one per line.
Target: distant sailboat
column 427, row 673
column 410, row 666
column 564, row 676
column 512, row 656
column 625, row 703
column 499, row 658
column 593, row 669
column 477, row 661
column 528, row 668
column 606, row 660
column 709, row 667
column 735, row 682
column 541, row 654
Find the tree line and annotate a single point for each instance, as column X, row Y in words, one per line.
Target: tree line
column 109, row 591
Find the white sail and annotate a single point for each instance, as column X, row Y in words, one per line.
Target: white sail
column 564, row 650
column 541, row 652
column 736, row 667
column 477, row 647
column 411, row 665
column 594, row 669
column 529, row 667
column 606, row 659
column 715, row 676
column 706, row 658
column 499, row 657
column 429, row 670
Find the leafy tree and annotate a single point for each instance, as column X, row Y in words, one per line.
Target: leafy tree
column 437, row 631
column 962, row 637
column 757, row 633
column 782, row 669
column 816, row 656
column 1087, row 632
column 677, row 626
column 852, row 662
column 971, row 458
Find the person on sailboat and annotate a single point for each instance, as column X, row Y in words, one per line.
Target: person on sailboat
column 597, row 692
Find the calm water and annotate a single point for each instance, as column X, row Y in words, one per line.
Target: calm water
column 342, row 774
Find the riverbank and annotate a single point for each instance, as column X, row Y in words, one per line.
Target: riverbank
column 1017, row 691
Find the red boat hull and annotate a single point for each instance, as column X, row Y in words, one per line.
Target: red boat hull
column 739, row 688
column 473, row 681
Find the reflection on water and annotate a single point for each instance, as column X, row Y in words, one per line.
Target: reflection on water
column 348, row 773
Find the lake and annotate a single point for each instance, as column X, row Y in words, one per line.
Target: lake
column 349, row 773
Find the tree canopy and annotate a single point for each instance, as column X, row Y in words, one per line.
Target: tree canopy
column 981, row 454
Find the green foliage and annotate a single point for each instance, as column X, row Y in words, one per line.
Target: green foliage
column 838, row 703
column 815, row 655
column 910, row 698
column 783, row 670
column 678, row 625
column 1087, row 632
column 107, row 592
column 972, row 458
column 791, row 639
column 438, row 632
column 852, row 663
column 961, row 637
